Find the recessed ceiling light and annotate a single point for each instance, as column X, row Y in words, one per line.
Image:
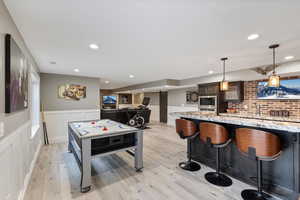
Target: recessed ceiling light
column 210, row 71
column 167, row 86
column 289, row 57
column 53, row 63
column 94, row 46
column 76, row 70
column 106, row 82
column 131, row 76
column 253, row 36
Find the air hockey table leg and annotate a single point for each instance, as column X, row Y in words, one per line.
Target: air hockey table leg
column 86, row 165
column 86, row 189
column 139, row 152
column 69, row 142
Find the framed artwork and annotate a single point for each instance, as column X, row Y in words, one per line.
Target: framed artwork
column 16, row 77
column 288, row 89
column 72, row 92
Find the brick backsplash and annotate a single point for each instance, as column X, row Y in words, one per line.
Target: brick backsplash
column 248, row 106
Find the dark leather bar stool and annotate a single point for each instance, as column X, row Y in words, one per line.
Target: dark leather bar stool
column 217, row 136
column 260, row 146
column 187, row 130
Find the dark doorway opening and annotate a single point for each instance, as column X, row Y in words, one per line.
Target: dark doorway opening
column 163, row 107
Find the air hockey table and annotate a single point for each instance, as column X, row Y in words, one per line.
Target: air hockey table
column 89, row 139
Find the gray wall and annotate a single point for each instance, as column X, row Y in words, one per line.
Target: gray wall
column 49, row 92
column 178, row 97
column 154, row 97
column 175, row 97
column 14, row 120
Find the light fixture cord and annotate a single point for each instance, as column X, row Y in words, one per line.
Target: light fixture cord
column 274, row 66
column 223, row 70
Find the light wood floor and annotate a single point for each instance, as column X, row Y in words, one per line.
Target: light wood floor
column 56, row 175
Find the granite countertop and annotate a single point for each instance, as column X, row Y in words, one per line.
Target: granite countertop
column 251, row 116
column 262, row 122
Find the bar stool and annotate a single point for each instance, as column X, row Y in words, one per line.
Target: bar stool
column 217, row 136
column 260, row 146
column 187, row 130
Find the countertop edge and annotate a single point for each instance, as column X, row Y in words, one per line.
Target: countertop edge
column 259, row 123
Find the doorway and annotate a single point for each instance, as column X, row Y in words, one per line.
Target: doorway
column 163, row 107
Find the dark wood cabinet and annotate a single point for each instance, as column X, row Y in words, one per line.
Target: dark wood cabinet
column 123, row 115
column 209, row 89
column 235, row 93
column 213, row 89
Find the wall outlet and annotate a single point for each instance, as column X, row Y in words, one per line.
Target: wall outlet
column 1, row 129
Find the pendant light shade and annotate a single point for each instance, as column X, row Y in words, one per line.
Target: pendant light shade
column 224, row 85
column 274, row 79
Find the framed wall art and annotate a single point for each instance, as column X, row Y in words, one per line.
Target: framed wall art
column 16, row 77
column 288, row 89
column 71, row 92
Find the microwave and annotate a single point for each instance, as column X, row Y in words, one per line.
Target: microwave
column 208, row 103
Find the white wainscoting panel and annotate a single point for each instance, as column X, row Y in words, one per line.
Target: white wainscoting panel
column 57, row 122
column 18, row 153
column 154, row 117
column 184, row 108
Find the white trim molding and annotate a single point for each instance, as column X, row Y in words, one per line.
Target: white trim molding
column 18, row 155
column 72, row 111
column 57, row 122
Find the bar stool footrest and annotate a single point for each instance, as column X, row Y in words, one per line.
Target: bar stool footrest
column 189, row 166
column 254, row 195
column 218, row 179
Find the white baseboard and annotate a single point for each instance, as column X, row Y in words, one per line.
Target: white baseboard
column 29, row 174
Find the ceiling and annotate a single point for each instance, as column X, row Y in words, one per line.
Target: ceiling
column 155, row 39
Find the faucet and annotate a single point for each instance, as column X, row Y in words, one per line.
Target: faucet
column 258, row 109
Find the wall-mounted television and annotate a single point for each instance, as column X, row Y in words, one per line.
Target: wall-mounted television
column 288, row 89
column 109, row 99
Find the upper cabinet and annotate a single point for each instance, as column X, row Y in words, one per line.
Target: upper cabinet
column 209, row 89
column 235, row 92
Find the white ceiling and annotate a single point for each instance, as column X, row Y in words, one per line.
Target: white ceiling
column 155, row 39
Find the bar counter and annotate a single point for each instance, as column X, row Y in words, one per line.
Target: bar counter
column 281, row 176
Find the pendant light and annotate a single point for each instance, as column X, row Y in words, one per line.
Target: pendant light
column 224, row 84
column 274, row 79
